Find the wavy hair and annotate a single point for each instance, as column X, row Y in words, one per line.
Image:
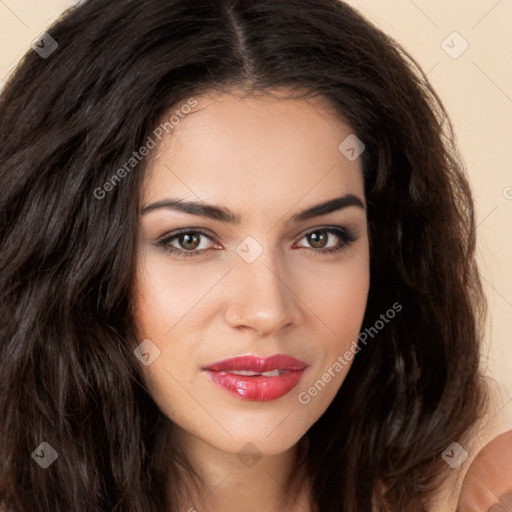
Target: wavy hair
column 68, row 375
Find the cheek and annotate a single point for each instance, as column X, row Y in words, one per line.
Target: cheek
column 345, row 304
column 165, row 296
column 341, row 305
column 175, row 310
column 338, row 294
column 339, row 300
column 332, row 296
column 154, row 310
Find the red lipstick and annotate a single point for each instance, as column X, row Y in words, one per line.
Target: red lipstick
column 257, row 378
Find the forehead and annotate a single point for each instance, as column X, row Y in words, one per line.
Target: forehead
column 258, row 148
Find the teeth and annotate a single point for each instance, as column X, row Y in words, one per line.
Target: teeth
column 248, row 373
column 273, row 373
column 244, row 372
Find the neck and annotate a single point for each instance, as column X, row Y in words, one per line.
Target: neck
column 231, row 482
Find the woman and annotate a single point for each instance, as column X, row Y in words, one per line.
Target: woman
column 237, row 265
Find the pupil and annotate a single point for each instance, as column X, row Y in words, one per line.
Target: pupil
column 187, row 239
column 316, row 238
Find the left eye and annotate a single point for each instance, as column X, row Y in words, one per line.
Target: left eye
column 189, row 242
column 320, row 242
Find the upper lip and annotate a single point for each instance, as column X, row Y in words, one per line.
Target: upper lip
column 258, row 364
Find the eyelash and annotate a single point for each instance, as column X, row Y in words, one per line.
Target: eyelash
column 346, row 235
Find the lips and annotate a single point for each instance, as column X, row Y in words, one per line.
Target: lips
column 257, row 378
column 257, row 364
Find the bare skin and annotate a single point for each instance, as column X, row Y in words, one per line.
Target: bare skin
column 265, row 159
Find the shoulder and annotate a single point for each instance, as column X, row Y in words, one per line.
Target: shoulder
column 488, row 480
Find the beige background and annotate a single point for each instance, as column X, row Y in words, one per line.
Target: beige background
column 476, row 88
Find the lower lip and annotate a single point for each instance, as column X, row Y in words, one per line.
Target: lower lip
column 258, row 388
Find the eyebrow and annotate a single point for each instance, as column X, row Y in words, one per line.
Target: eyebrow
column 225, row 215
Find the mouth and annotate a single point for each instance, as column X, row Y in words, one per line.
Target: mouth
column 256, row 378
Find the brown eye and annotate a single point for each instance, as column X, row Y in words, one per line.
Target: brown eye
column 189, row 241
column 317, row 239
column 186, row 243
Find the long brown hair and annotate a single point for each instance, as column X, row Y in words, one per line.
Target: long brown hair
column 67, row 374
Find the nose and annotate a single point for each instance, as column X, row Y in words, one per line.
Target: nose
column 262, row 297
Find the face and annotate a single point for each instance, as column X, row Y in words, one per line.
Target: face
column 252, row 270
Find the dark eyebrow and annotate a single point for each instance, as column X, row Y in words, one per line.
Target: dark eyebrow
column 223, row 214
column 332, row 205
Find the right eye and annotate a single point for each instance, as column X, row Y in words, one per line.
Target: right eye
column 188, row 241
